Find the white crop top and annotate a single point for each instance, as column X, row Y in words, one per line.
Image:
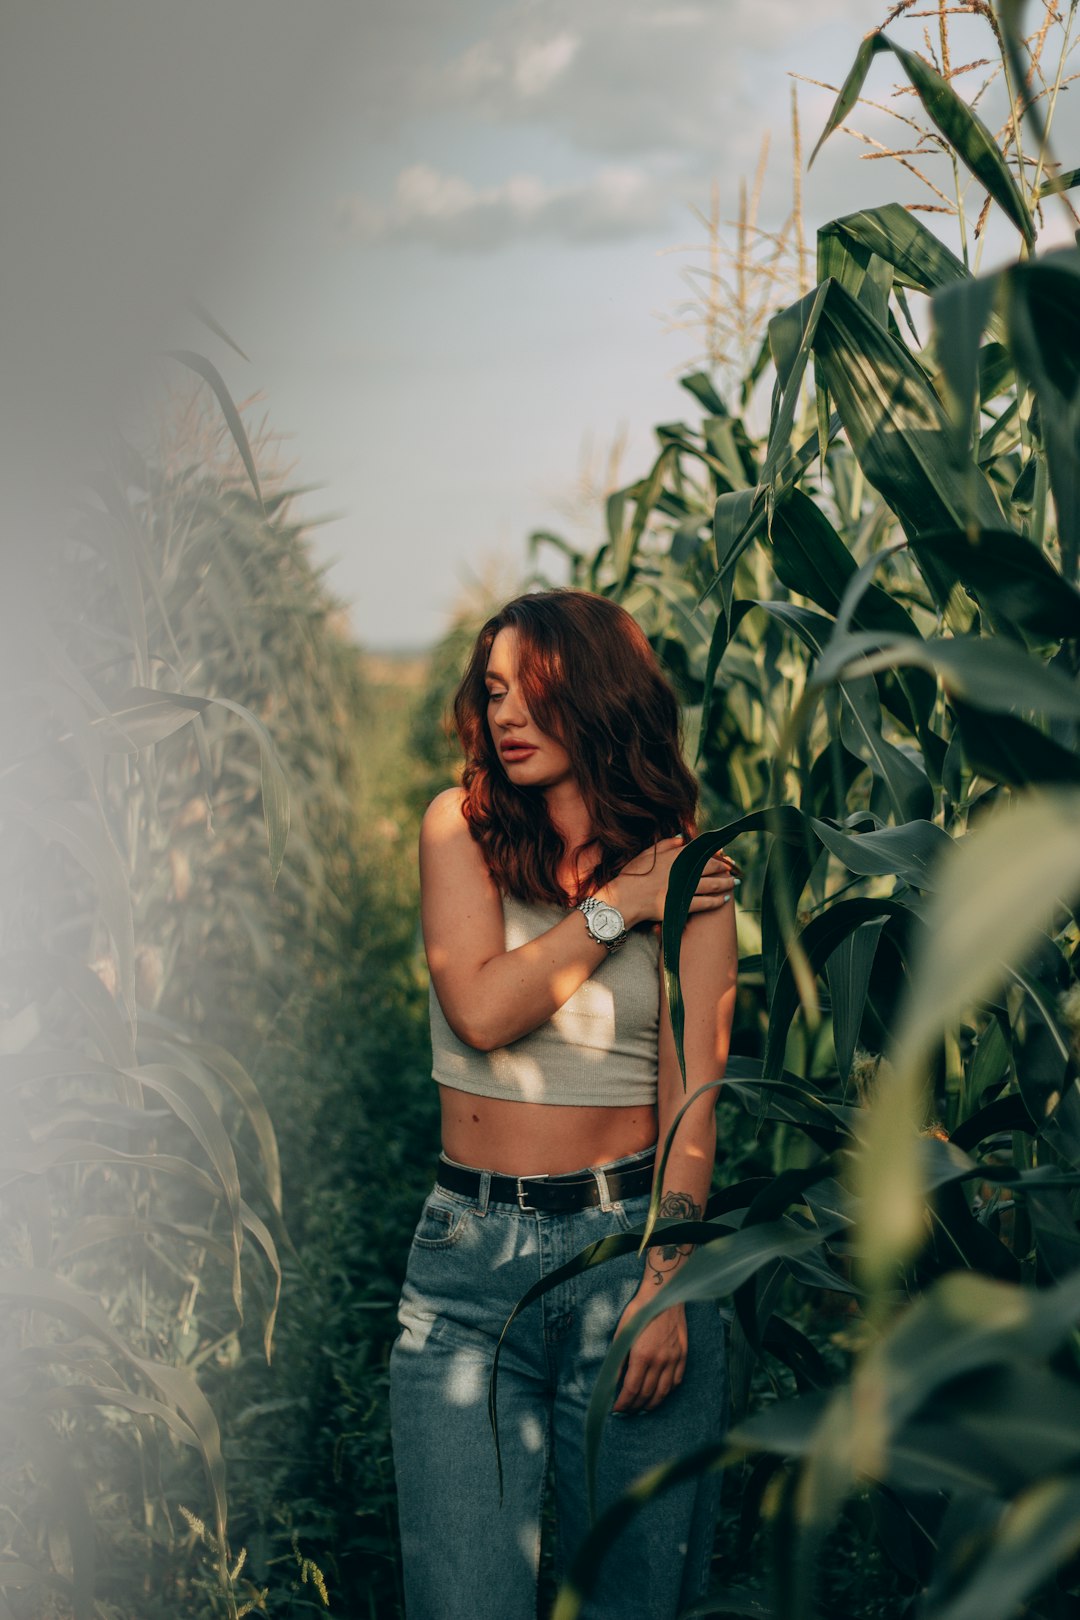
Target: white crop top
column 599, row 1048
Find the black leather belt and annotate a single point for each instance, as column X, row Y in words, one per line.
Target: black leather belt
column 552, row 1195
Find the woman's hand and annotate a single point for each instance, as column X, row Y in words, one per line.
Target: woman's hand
column 640, row 890
column 657, row 1360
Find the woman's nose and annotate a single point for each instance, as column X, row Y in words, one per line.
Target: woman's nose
column 512, row 712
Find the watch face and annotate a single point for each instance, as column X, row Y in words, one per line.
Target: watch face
column 606, row 923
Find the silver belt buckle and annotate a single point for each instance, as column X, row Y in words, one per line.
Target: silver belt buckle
column 521, row 1191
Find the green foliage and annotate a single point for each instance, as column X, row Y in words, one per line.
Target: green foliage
column 176, row 694
column 870, row 612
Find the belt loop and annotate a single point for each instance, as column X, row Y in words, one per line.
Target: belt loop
column 597, row 1172
column 483, row 1192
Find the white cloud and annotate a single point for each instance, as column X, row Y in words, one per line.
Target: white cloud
column 537, row 67
column 631, row 78
column 447, row 210
column 665, row 94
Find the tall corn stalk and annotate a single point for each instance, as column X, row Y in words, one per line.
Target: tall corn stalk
column 152, row 934
column 872, row 612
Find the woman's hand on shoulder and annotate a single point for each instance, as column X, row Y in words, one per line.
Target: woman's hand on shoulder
column 640, row 890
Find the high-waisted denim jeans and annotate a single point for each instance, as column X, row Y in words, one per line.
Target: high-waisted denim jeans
column 466, row 1557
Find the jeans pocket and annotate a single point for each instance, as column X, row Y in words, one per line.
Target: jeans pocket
column 631, row 1212
column 440, row 1224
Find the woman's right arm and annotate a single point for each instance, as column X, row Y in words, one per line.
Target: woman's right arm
column 489, row 995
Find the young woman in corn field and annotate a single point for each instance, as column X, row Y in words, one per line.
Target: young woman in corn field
column 543, row 878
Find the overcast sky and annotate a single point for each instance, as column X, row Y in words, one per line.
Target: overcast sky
column 440, row 232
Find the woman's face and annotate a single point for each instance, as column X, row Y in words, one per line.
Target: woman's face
column 529, row 756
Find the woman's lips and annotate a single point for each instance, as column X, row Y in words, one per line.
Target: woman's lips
column 512, row 751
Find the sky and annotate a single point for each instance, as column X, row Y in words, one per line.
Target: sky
column 445, row 236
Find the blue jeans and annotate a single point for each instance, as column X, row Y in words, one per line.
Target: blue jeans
column 466, row 1557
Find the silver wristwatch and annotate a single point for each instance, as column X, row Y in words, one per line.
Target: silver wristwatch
column 605, row 923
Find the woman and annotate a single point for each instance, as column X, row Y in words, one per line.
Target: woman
column 542, row 881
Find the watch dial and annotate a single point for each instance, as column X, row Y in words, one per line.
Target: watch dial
column 607, row 923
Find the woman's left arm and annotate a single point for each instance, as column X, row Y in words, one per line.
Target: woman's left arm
column 708, row 965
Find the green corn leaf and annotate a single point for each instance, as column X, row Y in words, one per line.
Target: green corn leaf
column 902, row 776
column 786, row 1100
column 1042, row 299
column 85, row 835
column 919, row 259
column 233, row 1074
column 275, row 791
column 202, row 314
column 66, row 1396
column 787, row 872
column 817, row 941
column 1065, row 181
column 960, row 125
column 1038, row 1532
column 104, row 1020
column 789, row 475
column 808, row 554
column 900, row 434
column 18, row 1574
column 969, row 138
column 792, row 335
column 905, row 781
column 848, row 970
column 645, row 499
column 38, row 1290
column 1005, row 748
column 987, row 672
column 784, row 821
column 145, row 716
column 700, row 385
column 961, row 313
column 810, row 558
column 204, row 368
column 1012, row 576
column 911, row 852
column 191, row 1105
column 995, row 891
column 856, row 267
column 91, row 1230
column 851, row 89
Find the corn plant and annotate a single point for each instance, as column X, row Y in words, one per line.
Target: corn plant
column 873, row 614
column 141, row 1179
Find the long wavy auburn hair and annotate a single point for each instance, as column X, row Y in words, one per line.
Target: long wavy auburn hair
column 590, row 680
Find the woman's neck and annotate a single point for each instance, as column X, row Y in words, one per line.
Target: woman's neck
column 569, row 815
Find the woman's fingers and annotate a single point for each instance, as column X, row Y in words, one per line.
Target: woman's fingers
column 646, row 1386
column 637, row 1388
column 665, row 1384
column 708, row 902
column 715, row 888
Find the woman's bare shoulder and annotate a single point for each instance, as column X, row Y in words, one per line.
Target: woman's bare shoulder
column 449, row 853
column 444, row 817
column 455, row 883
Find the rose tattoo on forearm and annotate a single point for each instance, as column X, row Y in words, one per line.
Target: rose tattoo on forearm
column 664, row 1257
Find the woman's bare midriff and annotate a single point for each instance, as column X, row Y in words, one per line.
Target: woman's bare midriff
column 539, row 1139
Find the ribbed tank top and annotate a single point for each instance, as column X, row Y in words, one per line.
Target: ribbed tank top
column 599, row 1048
